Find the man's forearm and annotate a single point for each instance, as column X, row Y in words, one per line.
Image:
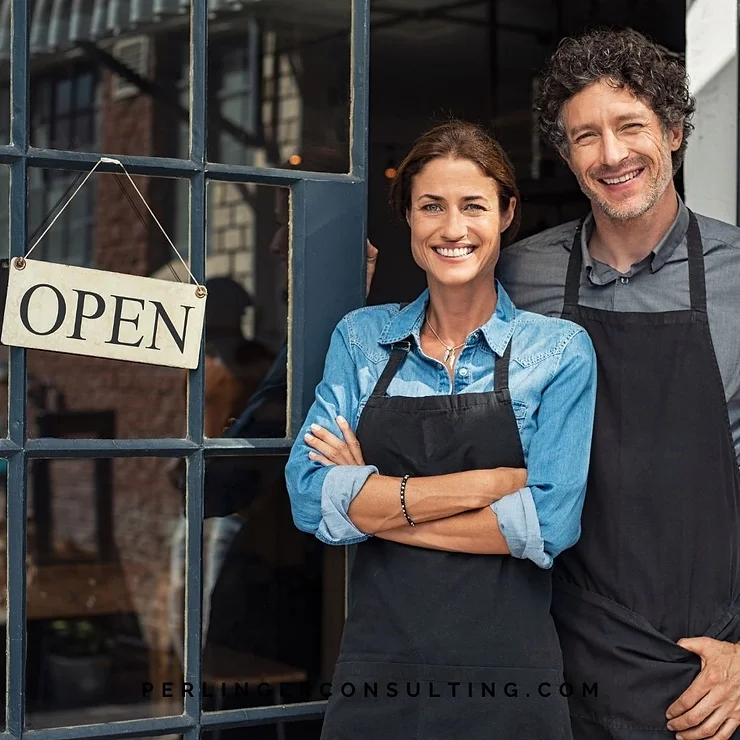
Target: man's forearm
column 476, row 532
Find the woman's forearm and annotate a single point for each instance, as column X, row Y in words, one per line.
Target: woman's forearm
column 377, row 507
column 474, row 532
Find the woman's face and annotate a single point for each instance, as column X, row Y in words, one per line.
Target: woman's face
column 455, row 222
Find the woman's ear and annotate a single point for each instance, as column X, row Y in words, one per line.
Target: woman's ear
column 408, row 216
column 508, row 215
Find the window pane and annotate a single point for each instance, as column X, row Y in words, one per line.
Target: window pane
column 4, row 254
column 91, row 104
column 3, row 567
column 100, row 583
column 246, row 314
column 5, row 73
column 101, row 229
column 273, row 596
column 279, row 83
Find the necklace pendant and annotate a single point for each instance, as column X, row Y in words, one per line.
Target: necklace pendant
column 449, row 359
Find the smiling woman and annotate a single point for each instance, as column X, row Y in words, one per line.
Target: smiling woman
column 449, row 440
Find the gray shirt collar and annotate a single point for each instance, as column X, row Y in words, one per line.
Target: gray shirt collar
column 600, row 273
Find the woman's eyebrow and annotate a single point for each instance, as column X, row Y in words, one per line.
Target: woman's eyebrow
column 439, row 197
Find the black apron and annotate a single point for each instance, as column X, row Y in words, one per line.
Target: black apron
column 659, row 555
column 436, row 644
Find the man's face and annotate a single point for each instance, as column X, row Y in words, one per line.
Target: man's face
column 618, row 150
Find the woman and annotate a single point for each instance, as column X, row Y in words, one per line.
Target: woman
column 450, row 439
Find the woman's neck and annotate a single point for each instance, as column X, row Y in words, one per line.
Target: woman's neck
column 456, row 312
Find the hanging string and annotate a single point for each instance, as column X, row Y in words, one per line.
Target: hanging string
column 55, row 206
column 111, row 160
column 141, row 218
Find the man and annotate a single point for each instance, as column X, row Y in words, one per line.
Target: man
column 647, row 603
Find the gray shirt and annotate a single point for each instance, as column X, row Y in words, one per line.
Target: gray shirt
column 533, row 272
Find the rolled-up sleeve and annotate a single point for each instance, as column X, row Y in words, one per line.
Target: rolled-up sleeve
column 540, row 521
column 520, row 527
column 320, row 496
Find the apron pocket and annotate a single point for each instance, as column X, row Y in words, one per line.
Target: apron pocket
column 480, row 703
column 369, row 701
column 631, row 673
column 409, row 701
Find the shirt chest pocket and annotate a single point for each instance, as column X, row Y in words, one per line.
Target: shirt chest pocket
column 520, row 413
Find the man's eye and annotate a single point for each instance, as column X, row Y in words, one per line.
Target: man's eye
column 584, row 137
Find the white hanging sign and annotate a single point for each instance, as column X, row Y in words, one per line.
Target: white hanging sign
column 103, row 314
column 81, row 311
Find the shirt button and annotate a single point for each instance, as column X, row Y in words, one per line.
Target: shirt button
column 624, row 280
column 463, row 371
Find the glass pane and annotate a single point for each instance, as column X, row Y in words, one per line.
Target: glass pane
column 5, row 73
column 4, row 255
column 273, row 596
column 247, row 310
column 3, row 568
column 101, row 229
column 126, row 93
column 278, row 90
column 101, row 581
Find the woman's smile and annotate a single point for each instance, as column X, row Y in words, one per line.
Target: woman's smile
column 454, row 253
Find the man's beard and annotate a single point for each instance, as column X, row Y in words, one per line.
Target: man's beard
column 655, row 191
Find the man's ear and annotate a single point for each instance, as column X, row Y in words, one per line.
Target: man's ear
column 564, row 155
column 675, row 137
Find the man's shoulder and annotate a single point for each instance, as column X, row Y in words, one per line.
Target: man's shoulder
column 718, row 233
column 544, row 241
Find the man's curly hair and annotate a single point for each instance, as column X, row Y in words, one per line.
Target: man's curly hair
column 628, row 60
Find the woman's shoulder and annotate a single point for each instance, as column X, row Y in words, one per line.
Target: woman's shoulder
column 365, row 327
column 544, row 336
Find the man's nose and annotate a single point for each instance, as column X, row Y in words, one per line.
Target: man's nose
column 613, row 150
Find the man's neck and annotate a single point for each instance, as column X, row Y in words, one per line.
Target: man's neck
column 621, row 244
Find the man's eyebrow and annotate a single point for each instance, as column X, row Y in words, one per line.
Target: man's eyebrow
column 431, row 196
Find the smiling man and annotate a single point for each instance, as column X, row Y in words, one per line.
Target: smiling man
column 647, row 603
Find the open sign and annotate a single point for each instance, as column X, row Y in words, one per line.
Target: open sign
column 81, row 311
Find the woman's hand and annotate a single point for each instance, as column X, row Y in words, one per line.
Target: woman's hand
column 330, row 449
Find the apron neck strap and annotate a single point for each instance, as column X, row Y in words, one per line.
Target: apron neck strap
column 575, row 262
column 697, row 284
column 501, row 370
column 695, row 249
column 398, row 355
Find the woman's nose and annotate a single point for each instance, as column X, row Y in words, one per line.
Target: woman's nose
column 454, row 228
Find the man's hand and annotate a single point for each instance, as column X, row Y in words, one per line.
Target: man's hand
column 710, row 707
column 372, row 261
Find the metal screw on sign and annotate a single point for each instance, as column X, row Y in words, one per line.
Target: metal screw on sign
column 19, row 263
column 201, row 292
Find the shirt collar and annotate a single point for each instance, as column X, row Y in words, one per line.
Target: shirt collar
column 662, row 251
column 497, row 331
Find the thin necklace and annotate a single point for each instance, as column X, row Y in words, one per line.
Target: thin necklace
column 449, row 358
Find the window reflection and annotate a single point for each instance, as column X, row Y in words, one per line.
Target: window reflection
column 279, row 81
column 98, row 580
column 106, row 227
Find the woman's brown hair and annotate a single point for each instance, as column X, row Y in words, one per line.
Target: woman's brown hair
column 459, row 140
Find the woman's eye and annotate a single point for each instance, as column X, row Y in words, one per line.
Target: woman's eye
column 432, row 207
column 475, row 207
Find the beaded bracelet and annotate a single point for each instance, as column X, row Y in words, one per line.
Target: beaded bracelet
column 403, row 500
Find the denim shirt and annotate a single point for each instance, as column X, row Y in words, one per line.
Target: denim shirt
column 552, row 380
